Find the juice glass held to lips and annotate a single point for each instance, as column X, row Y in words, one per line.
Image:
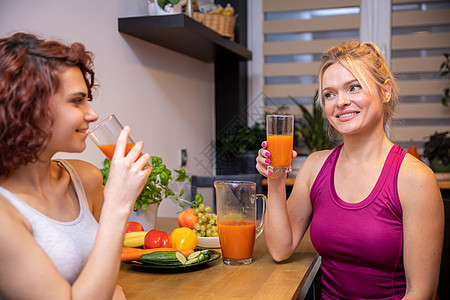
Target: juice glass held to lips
column 239, row 218
column 280, row 142
column 105, row 135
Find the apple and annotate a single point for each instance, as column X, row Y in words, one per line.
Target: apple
column 188, row 218
column 134, row 226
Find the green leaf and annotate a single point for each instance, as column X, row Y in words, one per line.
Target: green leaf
column 161, row 3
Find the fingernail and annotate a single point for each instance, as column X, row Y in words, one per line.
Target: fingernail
column 270, row 174
column 267, row 153
column 267, row 161
column 264, row 144
column 126, row 127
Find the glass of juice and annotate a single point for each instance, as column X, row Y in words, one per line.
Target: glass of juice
column 105, row 135
column 280, row 142
column 240, row 218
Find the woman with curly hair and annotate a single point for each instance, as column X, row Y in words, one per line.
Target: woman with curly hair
column 375, row 212
column 62, row 233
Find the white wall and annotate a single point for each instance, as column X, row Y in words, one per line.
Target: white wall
column 167, row 98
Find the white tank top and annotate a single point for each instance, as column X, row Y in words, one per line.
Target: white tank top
column 68, row 244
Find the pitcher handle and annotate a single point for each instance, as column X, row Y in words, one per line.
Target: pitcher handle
column 260, row 227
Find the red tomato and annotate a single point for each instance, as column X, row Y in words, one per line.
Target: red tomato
column 156, row 239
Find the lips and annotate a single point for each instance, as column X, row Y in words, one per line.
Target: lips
column 81, row 130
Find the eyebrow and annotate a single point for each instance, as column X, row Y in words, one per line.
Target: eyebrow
column 78, row 94
column 345, row 84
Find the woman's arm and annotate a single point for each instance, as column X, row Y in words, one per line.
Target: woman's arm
column 287, row 221
column 28, row 273
column 125, row 181
column 423, row 228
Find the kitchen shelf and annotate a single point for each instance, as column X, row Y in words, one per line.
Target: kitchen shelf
column 183, row 34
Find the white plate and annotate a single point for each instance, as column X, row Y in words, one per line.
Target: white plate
column 208, row 242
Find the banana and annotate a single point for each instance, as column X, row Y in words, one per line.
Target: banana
column 134, row 239
column 228, row 10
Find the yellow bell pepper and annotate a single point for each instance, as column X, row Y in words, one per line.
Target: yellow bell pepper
column 183, row 238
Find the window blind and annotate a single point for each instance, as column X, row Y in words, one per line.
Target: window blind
column 296, row 33
column 420, row 36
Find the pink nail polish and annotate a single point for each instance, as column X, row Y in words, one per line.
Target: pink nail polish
column 126, row 127
column 269, row 174
column 264, row 145
column 267, row 153
column 267, row 161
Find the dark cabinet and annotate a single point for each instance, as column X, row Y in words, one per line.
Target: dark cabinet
column 185, row 35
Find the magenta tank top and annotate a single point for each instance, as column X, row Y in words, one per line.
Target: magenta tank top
column 360, row 243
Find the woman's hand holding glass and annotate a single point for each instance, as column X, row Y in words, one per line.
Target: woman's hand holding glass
column 263, row 161
column 128, row 175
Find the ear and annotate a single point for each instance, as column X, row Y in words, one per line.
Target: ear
column 387, row 91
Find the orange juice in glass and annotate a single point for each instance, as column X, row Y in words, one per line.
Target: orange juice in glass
column 280, row 142
column 108, row 150
column 105, row 135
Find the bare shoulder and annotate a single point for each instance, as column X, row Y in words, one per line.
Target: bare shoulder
column 89, row 174
column 312, row 165
column 315, row 161
column 92, row 180
column 416, row 181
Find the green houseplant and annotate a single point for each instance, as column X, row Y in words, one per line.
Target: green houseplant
column 240, row 138
column 437, row 150
column 237, row 148
column 163, row 3
column 445, row 70
column 312, row 127
column 158, row 184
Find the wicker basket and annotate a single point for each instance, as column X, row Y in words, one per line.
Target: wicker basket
column 222, row 24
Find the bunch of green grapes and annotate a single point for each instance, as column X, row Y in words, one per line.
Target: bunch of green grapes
column 207, row 222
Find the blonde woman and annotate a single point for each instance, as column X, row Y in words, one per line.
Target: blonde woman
column 376, row 212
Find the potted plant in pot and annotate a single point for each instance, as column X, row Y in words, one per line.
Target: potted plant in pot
column 437, row 150
column 238, row 146
column 155, row 190
column 168, row 7
column 312, row 127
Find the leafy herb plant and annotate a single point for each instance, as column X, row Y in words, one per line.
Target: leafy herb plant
column 158, row 184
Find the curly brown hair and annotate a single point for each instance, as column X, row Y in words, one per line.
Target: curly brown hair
column 29, row 68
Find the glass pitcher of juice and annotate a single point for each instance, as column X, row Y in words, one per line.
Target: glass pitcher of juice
column 240, row 219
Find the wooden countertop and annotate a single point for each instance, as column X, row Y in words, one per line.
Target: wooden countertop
column 262, row 279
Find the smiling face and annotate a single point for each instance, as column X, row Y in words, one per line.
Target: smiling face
column 349, row 109
column 72, row 113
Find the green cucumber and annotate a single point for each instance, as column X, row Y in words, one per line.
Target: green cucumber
column 198, row 256
column 194, row 255
column 164, row 258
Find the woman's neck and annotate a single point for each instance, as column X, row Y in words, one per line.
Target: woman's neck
column 33, row 176
column 365, row 148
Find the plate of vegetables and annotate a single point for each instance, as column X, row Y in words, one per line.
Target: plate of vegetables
column 175, row 259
